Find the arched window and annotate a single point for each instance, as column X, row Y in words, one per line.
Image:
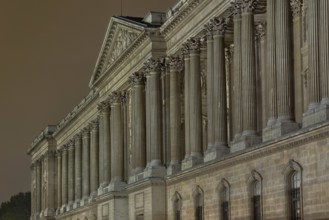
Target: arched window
column 225, row 203
column 257, row 200
column 177, row 202
column 295, row 195
column 198, row 200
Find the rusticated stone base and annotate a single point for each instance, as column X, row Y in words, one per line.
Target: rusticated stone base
column 279, row 129
column 317, row 115
column 245, row 141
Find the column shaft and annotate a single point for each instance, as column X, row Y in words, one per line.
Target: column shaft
column 237, row 77
column 38, row 186
column 271, row 63
column 284, row 62
column 313, row 55
column 59, row 178
column 71, row 184
column 187, row 103
column 78, row 168
column 210, row 88
column 148, row 121
column 248, row 74
column 85, row 163
column 64, row 177
column 220, row 110
column 324, row 49
column 94, row 153
column 175, row 114
column 117, row 153
column 105, row 112
column 195, row 99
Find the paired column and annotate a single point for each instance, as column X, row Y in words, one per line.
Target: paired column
column 137, row 81
column 38, row 186
column 85, row 164
column 64, row 177
column 78, row 169
column 71, row 184
column 105, row 141
column 117, row 144
column 94, row 156
column 175, row 63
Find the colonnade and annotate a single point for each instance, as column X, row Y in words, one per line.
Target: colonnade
column 94, row 160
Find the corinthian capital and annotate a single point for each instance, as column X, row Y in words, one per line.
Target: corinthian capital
column 249, row 5
column 236, row 7
column 70, row 144
column 208, row 29
column 260, row 31
column 220, row 25
column 154, row 65
column 296, row 7
column 137, row 79
column 194, row 44
column 103, row 106
column 94, row 124
column 116, row 97
column 185, row 50
column 175, row 62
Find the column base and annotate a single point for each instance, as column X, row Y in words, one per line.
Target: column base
column 69, row 206
column 279, row 129
column 76, row 204
column 136, row 177
column 84, row 201
column 58, row 211
column 117, row 186
column 316, row 115
column 191, row 161
column 49, row 212
column 173, row 169
column 154, row 171
column 63, row 209
column 215, row 153
column 245, row 141
column 92, row 197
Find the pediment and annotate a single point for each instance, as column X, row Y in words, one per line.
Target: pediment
column 120, row 35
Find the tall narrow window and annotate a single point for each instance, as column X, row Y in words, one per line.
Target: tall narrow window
column 178, row 209
column 199, row 207
column 257, row 200
column 295, row 196
column 225, row 203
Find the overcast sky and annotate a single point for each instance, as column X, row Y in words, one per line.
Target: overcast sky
column 48, row 50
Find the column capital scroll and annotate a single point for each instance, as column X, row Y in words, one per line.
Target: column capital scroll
column 94, row 124
column 236, row 8
column 58, row 153
column 70, row 145
column 154, row 64
column 220, row 25
column 117, row 97
column 104, row 106
column 208, row 29
column 248, row 6
column 77, row 137
column 85, row 131
column 185, row 49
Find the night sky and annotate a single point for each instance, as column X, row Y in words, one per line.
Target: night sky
column 48, row 50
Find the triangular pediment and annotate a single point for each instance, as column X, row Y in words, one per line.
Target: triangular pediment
column 121, row 34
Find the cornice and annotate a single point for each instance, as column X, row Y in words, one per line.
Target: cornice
column 46, row 134
column 302, row 137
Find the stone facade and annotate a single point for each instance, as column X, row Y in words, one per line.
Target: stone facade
column 211, row 110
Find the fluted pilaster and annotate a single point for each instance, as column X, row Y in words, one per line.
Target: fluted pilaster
column 137, row 81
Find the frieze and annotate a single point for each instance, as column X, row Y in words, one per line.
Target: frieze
column 137, row 78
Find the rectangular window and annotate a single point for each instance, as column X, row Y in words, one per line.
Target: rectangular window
column 140, row 217
column 257, row 208
column 178, row 216
column 199, row 213
column 295, row 196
